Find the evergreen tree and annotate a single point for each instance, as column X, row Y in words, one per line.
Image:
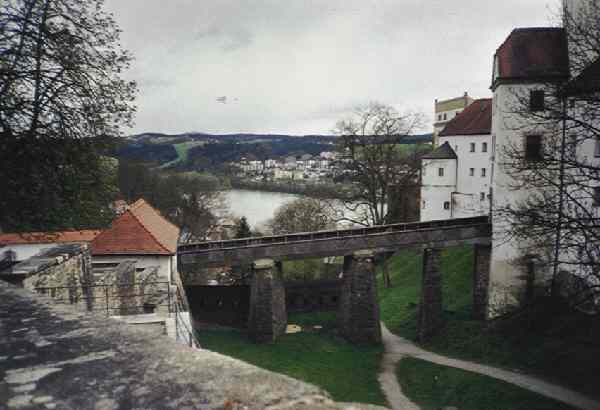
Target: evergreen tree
column 242, row 229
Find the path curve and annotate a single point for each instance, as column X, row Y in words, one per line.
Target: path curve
column 387, row 378
column 397, row 347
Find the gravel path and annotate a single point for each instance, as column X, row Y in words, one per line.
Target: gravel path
column 397, row 347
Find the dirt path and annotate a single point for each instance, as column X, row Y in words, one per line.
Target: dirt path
column 397, row 347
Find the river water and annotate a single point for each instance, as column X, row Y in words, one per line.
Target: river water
column 257, row 206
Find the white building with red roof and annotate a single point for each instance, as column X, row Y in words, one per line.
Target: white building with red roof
column 528, row 68
column 456, row 176
column 142, row 234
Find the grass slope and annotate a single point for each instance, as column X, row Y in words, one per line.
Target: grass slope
column 559, row 348
column 399, row 304
column 433, row 387
column 347, row 372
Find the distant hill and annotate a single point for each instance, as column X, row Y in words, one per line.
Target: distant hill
column 203, row 151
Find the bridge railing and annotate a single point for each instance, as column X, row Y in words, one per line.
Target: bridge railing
column 311, row 236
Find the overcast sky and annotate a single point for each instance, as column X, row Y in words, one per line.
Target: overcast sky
column 297, row 66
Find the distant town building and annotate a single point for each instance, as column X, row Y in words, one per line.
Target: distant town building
column 456, row 176
column 141, row 234
column 446, row 110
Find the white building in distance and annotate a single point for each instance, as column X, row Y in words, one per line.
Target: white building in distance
column 456, row 176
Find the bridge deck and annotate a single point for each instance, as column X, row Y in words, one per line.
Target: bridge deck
column 338, row 242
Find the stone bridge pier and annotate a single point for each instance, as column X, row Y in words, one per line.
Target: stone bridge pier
column 431, row 313
column 358, row 313
column 267, row 318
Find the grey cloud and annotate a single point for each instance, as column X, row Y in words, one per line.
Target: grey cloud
column 299, row 65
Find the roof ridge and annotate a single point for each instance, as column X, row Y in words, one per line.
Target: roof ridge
column 142, row 201
column 526, row 29
column 148, row 230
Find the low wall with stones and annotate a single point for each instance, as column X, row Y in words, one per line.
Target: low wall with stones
column 63, row 271
column 57, row 358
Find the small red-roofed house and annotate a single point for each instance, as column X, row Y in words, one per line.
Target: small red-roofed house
column 142, row 234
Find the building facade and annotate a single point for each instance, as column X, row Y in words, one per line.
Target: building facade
column 445, row 110
column 456, row 176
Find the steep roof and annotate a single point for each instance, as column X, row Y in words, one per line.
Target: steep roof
column 476, row 119
column 444, row 151
column 47, row 237
column 140, row 230
column 533, row 54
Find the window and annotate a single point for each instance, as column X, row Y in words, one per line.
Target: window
column 482, row 196
column 424, row 205
column 445, row 117
column 483, row 172
column 596, row 197
column 441, row 172
column 597, row 148
column 533, row 147
column 536, row 100
column 439, row 117
column 447, row 205
column 471, row 172
column 484, row 147
column 472, row 147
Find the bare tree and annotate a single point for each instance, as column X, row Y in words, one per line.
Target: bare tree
column 558, row 222
column 301, row 215
column 375, row 161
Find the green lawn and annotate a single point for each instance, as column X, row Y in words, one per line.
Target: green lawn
column 558, row 347
column 433, row 387
column 347, row 372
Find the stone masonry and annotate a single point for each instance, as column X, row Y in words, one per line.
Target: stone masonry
column 358, row 315
column 267, row 318
column 430, row 309
column 65, row 268
column 58, row 357
column 481, row 281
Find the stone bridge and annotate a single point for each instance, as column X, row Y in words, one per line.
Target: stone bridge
column 385, row 238
column 358, row 307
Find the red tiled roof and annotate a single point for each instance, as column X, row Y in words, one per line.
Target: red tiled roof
column 141, row 230
column 48, row 237
column 476, row 119
column 534, row 54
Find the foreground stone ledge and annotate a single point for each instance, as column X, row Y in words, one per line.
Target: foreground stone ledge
column 55, row 357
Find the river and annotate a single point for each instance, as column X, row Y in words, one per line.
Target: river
column 257, row 206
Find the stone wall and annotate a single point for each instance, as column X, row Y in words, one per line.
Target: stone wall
column 64, row 268
column 312, row 296
column 64, row 273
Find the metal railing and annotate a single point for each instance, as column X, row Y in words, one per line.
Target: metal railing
column 332, row 234
column 98, row 297
column 183, row 327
